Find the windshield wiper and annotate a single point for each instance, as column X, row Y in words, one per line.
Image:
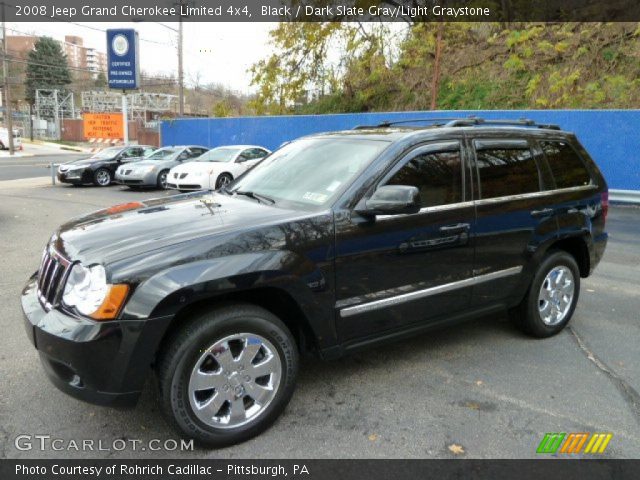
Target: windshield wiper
column 256, row 196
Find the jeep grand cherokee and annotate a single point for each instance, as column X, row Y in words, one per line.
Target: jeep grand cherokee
column 335, row 242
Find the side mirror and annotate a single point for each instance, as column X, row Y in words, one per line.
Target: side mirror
column 392, row 200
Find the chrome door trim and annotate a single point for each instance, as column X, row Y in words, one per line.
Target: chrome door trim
column 408, row 297
column 489, row 201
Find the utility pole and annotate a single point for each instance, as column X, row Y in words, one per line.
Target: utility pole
column 180, row 70
column 8, row 114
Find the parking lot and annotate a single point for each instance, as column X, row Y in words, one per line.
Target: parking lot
column 480, row 390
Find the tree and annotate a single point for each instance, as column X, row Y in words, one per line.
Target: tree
column 47, row 68
column 101, row 80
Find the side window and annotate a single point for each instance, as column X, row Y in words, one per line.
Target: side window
column 195, row 152
column 566, row 166
column 128, row 153
column 506, row 171
column 437, row 174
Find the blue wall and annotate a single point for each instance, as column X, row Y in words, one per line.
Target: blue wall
column 611, row 136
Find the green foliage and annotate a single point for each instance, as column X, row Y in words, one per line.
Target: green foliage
column 101, row 80
column 47, row 68
column 343, row 67
column 515, row 63
column 222, row 109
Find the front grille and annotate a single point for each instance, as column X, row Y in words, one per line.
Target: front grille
column 132, row 182
column 51, row 277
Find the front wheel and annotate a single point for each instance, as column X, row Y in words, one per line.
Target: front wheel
column 552, row 296
column 102, row 177
column 223, row 180
column 227, row 375
column 162, row 179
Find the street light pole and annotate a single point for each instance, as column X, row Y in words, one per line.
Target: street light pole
column 7, row 94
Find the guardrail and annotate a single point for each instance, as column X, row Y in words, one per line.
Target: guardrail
column 625, row 196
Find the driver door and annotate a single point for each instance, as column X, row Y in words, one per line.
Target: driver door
column 395, row 271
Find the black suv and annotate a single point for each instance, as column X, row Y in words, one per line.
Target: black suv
column 100, row 168
column 336, row 241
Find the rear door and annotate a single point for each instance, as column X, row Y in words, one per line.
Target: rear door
column 512, row 214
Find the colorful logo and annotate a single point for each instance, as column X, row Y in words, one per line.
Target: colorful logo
column 574, row 442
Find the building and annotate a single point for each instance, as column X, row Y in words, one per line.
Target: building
column 79, row 57
column 96, row 61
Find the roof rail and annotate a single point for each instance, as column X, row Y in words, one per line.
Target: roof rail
column 522, row 122
column 464, row 122
column 386, row 123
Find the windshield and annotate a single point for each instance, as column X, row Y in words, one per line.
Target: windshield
column 310, row 172
column 106, row 153
column 218, row 155
column 161, row 154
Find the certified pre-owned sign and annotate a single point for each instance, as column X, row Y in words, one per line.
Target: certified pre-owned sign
column 123, row 69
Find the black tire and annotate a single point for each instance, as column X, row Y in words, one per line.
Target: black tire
column 102, row 177
column 182, row 352
column 223, row 179
column 527, row 315
column 161, row 181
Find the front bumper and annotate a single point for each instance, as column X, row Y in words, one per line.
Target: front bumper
column 188, row 184
column 104, row 363
column 78, row 177
column 149, row 179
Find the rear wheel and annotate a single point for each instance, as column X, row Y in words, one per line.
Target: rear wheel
column 102, row 177
column 162, row 179
column 552, row 296
column 228, row 374
column 223, row 179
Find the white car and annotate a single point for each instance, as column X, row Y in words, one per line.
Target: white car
column 216, row 168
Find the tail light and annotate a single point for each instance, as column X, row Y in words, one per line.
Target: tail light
column 604, row 199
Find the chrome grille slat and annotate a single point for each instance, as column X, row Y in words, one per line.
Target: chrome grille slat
column 51, row 277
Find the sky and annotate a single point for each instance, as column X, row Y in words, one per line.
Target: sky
column 216, row 52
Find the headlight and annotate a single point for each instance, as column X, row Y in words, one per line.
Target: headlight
column 88, row 291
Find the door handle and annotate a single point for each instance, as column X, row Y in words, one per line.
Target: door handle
column 545, row 212
column 457, row 228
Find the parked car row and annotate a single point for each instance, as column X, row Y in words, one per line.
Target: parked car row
column 182, row 167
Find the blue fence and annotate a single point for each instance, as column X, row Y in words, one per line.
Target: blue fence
column 611, row 136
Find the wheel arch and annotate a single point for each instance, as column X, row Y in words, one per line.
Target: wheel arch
column 275, row 300
column 578, row 247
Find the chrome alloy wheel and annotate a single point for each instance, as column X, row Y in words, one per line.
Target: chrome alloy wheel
column 103, row 178
column 556, row 295
column 234, row 380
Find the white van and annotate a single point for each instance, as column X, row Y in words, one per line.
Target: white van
column 4, row 139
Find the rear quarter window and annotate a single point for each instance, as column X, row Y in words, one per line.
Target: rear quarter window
column 566, row 165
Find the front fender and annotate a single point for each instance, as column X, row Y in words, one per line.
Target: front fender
column 171, row 289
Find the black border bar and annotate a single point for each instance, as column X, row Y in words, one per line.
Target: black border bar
column 548, row 469
column 409, row 11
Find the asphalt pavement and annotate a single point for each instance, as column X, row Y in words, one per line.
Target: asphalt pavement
column 34, row 161
column 479, row 390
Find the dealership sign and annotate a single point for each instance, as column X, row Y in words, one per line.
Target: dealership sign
column 103, row 125
column 123, row 69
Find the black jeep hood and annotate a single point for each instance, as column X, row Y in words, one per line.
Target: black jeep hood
column 132, row 228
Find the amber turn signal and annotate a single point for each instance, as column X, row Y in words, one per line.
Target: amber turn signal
column 112, row 303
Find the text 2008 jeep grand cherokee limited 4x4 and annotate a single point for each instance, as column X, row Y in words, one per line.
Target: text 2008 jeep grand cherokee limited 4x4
column 334, row 242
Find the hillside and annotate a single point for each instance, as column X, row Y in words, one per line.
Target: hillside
column 482, row 66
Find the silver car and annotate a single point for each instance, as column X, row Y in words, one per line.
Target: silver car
column 152, row 171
